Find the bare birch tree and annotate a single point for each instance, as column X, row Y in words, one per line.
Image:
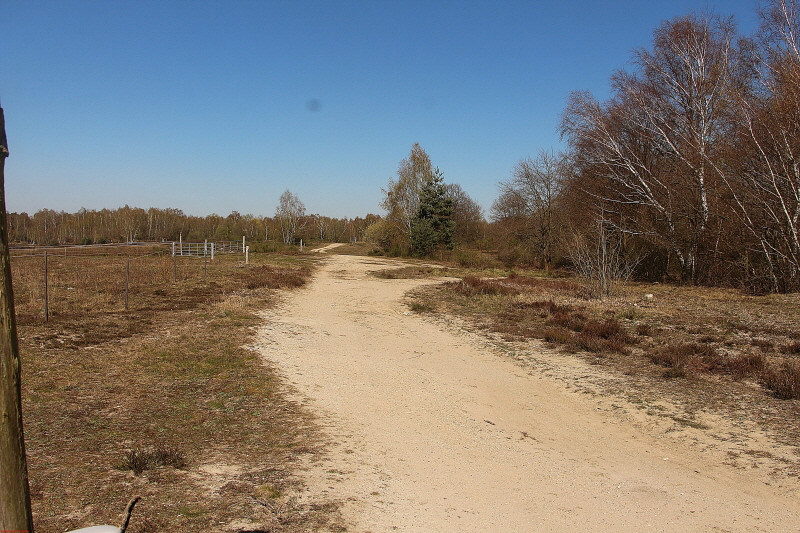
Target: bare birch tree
column 527, row 203
column 656, row 142
column 290, row 213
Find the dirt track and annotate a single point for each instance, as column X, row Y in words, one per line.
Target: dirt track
column 433, row 431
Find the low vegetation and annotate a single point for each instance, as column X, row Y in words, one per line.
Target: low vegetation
column 686, row 330
column 698, row 348
column 167, row 402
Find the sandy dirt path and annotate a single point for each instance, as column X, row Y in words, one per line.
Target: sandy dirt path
column 433, row 431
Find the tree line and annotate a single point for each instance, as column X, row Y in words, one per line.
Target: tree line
column 131, row 224
column 690, row 171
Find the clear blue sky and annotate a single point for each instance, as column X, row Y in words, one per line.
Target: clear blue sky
column 211, row 107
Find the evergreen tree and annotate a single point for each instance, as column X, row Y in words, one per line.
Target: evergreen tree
column 433, row 225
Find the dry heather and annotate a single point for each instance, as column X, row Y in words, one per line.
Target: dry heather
column 166, row 401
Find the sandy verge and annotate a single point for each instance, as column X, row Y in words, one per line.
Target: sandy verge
column 433, row 431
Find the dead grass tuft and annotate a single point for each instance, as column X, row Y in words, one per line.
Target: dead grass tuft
column 605, row 336
column 474, row 285
column 746, row 365
column 791, row 348
column 783, row 380
column 272, row 277
column 140, row 459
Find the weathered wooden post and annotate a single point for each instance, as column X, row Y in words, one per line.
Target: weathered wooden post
column 127, row 281
column 46, row 290
column 15, row 499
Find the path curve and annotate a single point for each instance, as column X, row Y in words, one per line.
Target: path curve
column 431, row 431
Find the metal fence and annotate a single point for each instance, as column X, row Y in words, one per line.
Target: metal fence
column 208, row 249
column 52, row 282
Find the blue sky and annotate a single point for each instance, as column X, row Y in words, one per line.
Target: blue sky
column 212, row 107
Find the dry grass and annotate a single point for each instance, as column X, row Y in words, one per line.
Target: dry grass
column 409, row 272
column 701, row 339
column 165, row 401
column 784, row 380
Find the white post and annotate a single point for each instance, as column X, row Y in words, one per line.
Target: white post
column 173, row 248
column 301, row 245
column 205, row 247
column 180, row 237
column 212, row 250
column 242, row 242
column 246, row 255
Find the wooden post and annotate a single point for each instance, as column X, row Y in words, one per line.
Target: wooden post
column 127, row 280
column 46, row 291
column 15, row 498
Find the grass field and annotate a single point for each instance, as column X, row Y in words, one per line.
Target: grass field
column 164, row 401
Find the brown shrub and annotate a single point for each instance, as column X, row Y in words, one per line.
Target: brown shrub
column 764, row 344
column 674, row 356
column 474, row 285
column 557, row 335
column 605, row 336
column 791, row 349
column 783, row 380
column 572, row 321
column 746, row 365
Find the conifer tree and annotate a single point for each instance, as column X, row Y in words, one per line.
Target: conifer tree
column 433, row 225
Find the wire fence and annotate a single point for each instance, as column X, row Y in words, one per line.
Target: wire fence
column 79, row 280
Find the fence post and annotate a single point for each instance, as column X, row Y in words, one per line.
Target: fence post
column 246, row 255
column 213, row 245
column 46, row 291
column 173, row 248
column 174, row 268
column 127, row 280
column 15, row 496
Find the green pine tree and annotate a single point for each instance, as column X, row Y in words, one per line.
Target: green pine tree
column 433, row 225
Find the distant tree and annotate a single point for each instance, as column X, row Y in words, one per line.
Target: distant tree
column 467, row 215
column 290, row 212
column 432, row 225
column 527, row 204
column 401, row 197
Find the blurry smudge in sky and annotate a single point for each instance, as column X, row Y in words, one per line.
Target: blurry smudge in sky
column 313, row 105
